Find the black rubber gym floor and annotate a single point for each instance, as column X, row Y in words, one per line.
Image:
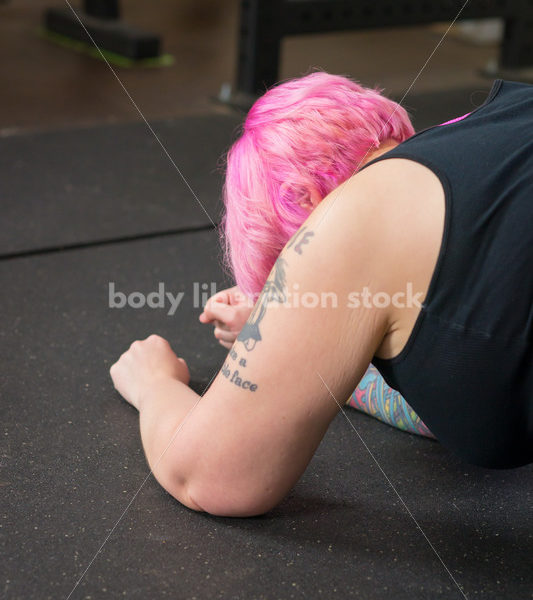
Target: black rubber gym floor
column 71, row 457
column 110, row 182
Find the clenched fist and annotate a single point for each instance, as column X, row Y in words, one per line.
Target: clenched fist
column 228, row 310
column 143, row 364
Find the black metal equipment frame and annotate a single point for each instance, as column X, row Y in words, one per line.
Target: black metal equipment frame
column 101, row 19
column 265, row 22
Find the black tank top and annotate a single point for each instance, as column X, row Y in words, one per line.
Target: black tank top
column 467, row 367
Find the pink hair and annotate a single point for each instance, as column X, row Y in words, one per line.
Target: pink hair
column 301, row 138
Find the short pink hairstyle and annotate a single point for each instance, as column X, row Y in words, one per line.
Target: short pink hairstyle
column 304, row 136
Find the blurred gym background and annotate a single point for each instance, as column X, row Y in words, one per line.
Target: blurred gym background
column 46, row 85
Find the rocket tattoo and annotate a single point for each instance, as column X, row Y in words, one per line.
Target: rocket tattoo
column 274, row 291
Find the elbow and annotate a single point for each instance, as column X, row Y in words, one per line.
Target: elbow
column 216, row 497
column 175, row 484
column 222, row 499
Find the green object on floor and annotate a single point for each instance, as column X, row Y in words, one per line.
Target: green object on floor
column 165, row 60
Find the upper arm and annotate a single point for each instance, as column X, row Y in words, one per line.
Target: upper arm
column 292, row 367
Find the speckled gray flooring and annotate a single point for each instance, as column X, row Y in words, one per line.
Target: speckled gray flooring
column 72, row 461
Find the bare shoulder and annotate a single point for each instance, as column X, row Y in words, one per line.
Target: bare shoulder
column 404, row 225
column 389, row 215
column 399, row 189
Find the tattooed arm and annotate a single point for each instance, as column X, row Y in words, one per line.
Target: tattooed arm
column 301, row 353
column 374, row 397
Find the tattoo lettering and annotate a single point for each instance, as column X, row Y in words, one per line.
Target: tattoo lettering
column 274, row 291
column 234, row 377
column 300, row 238
column 237, row 379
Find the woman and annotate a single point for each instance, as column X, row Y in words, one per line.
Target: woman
column 419, row 262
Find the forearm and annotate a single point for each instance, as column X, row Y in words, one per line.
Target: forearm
column 162, row 411
column 376, row 398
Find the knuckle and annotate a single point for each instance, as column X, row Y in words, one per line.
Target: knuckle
column 157, row 340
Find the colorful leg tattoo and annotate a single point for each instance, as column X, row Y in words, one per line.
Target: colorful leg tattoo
column 375, row 397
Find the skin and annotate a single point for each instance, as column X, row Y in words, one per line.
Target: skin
column 240, row 448
column 228, row 311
